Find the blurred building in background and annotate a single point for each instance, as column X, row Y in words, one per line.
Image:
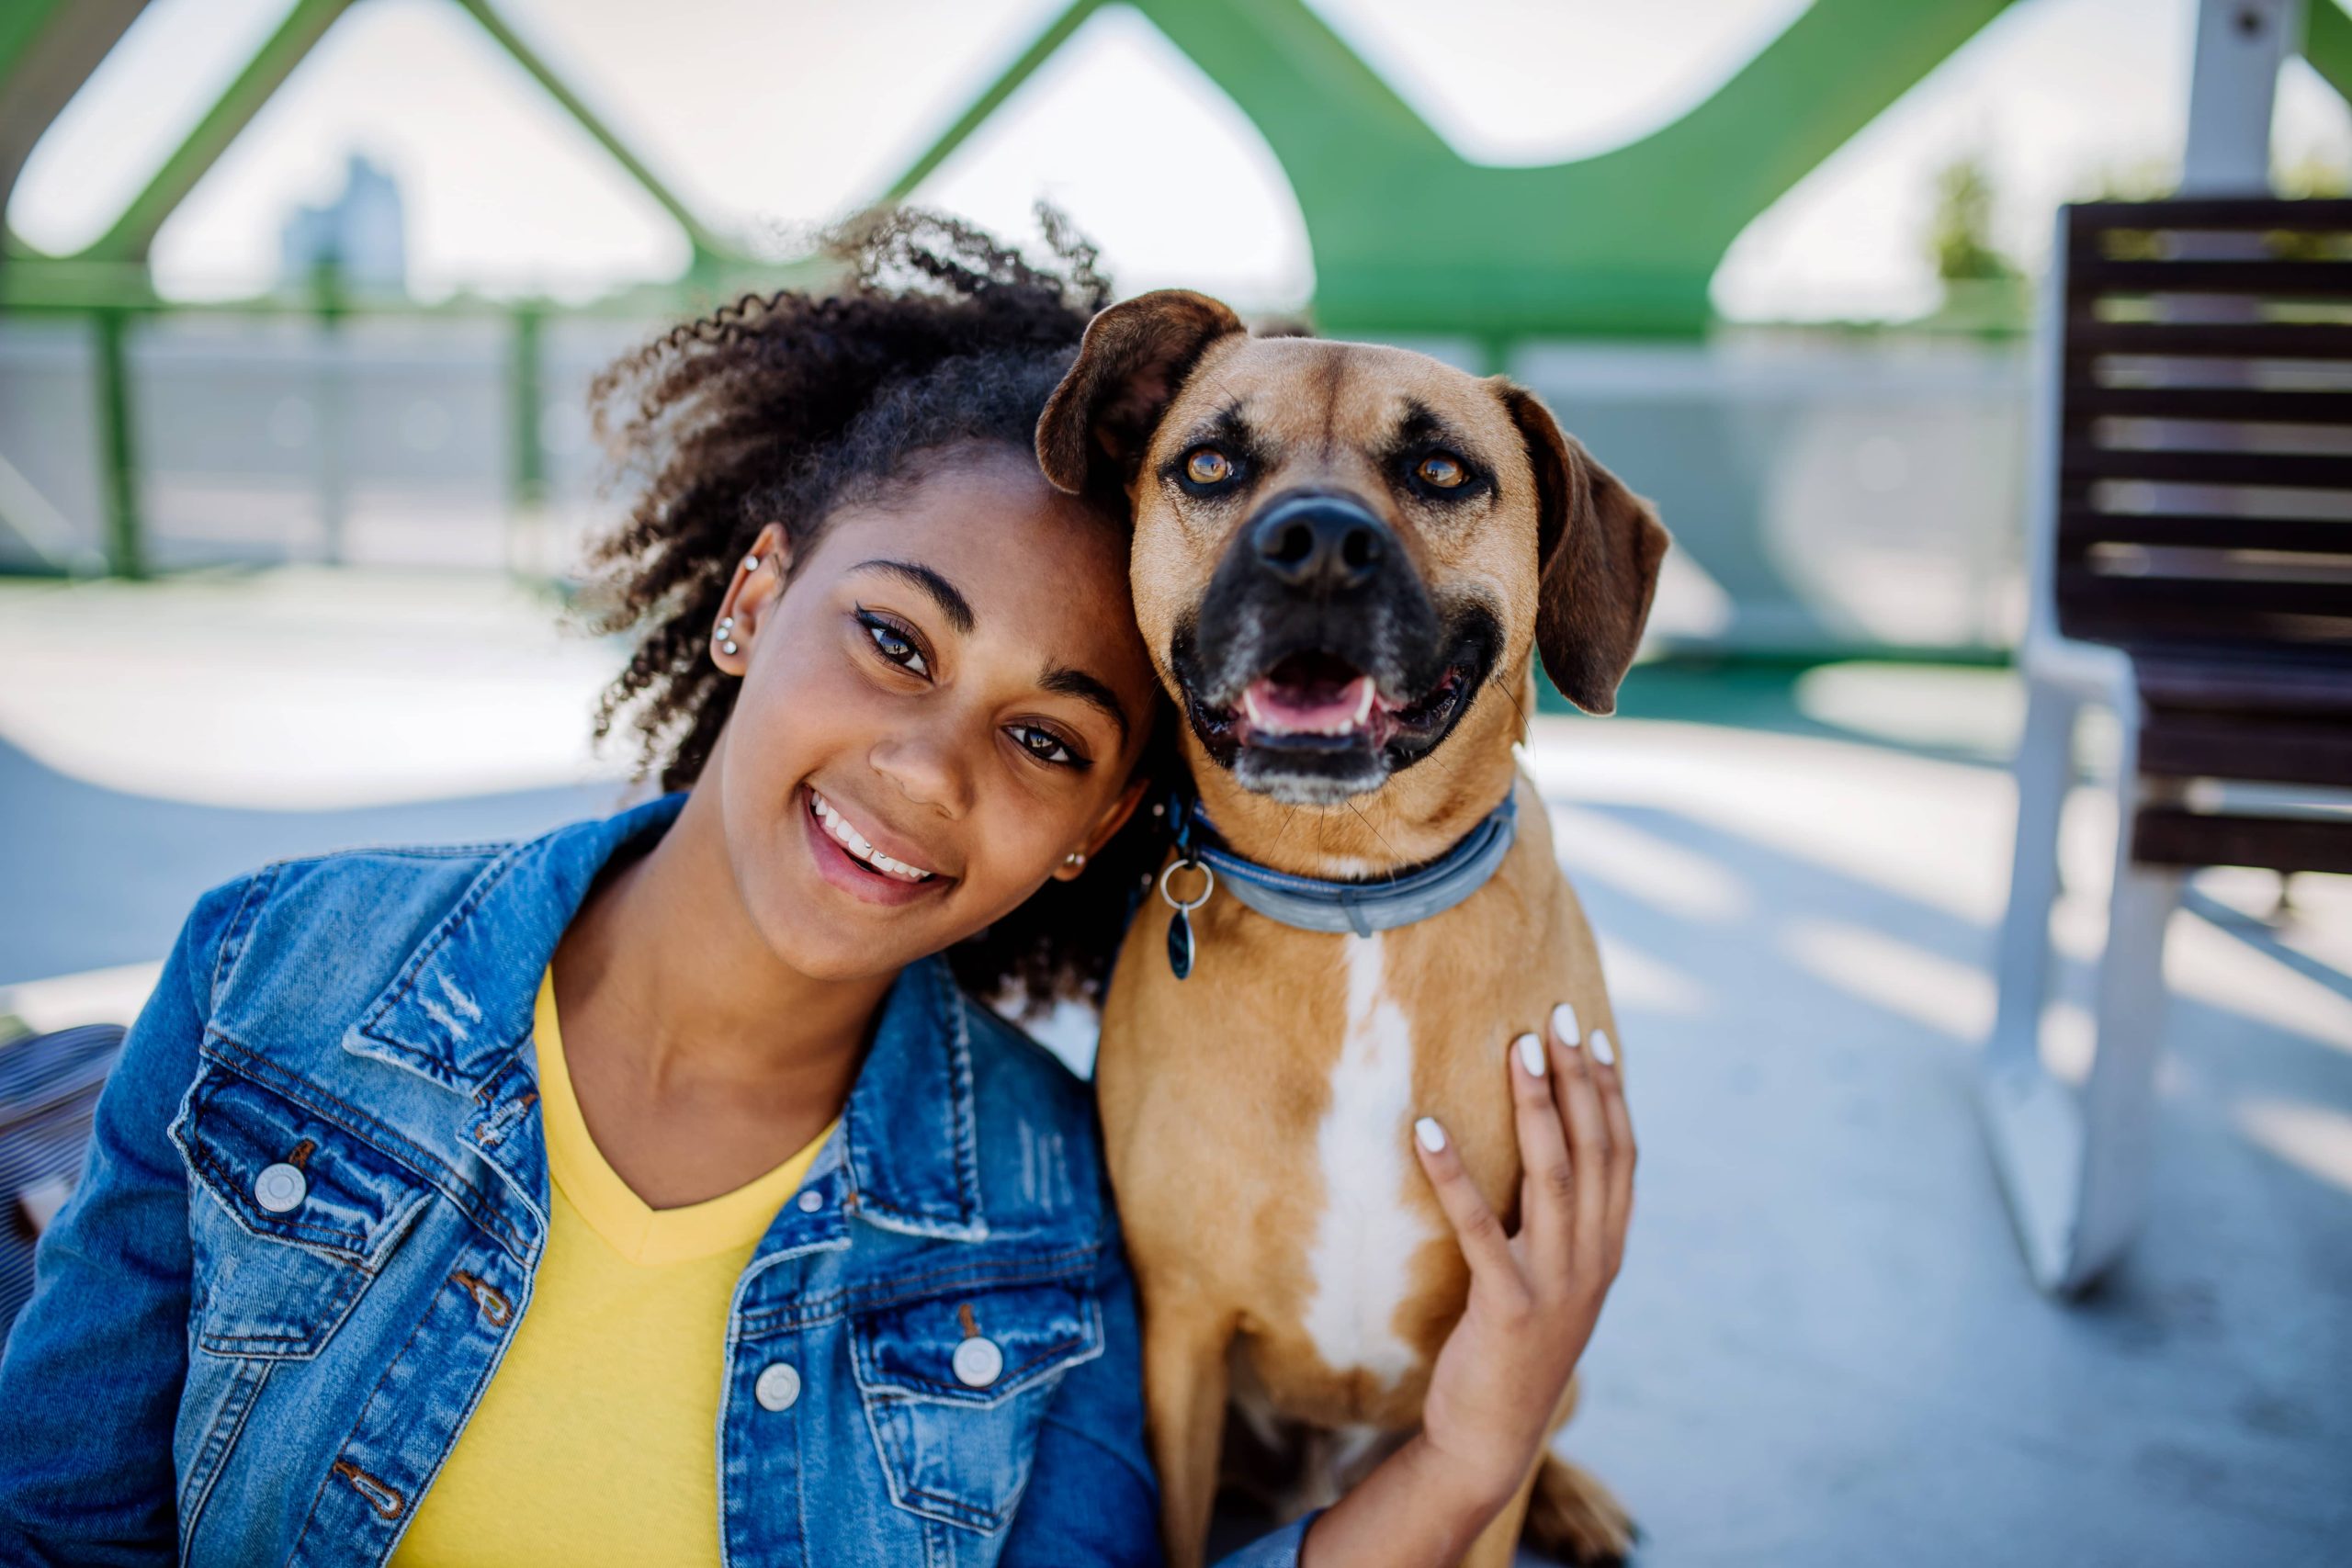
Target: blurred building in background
column 358, row 236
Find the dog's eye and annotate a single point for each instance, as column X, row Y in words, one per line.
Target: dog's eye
column 1207, row 466
column 1439, row 471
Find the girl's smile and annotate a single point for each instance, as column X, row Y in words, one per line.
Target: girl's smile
column 850, row 856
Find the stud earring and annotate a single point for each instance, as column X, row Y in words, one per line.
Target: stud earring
column 1075, row 859
column 750, row 563
column 725, row 637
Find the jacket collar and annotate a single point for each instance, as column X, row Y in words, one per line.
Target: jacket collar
column 461, row 1005
column 459, row 1010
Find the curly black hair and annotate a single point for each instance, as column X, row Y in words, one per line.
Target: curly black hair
column 785, row 408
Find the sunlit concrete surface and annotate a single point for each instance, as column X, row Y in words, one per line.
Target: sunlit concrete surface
column 157, row 738
column 1824, row 1349
column 301, row 688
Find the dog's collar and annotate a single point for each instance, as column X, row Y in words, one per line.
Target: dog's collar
column 1316, row 904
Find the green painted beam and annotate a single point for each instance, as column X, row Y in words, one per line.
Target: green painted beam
column 1410, row 236
column 526, row 365
column 708, row 249
column 134, row 232
column 1045, row 47
column 2327, row 43
column 48, row 50
column 22, row 24
column 1625, row 242
column 119, row 447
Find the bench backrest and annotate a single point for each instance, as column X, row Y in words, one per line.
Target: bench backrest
column 2205, row 407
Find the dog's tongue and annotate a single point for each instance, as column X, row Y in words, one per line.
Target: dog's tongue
column 1309, row 707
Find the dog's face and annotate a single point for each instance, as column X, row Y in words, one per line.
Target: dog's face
column 1341, row 548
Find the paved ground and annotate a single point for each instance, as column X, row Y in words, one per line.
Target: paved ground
column 1823, row 1350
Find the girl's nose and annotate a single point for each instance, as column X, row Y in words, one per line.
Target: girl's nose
column 930, row 764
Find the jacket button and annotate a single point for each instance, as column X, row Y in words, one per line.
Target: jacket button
column 977, row 1362
column 279, row 1188
column 811, row 1200
column 779, row 1386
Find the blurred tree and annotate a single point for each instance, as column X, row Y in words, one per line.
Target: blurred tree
column 1960, row 235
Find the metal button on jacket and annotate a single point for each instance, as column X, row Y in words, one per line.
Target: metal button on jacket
column 279, row 1188
column 977, row 1362
column 811, row 1200
column 779, row 1386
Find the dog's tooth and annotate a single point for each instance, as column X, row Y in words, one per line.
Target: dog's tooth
column 1363, row 702
column 1250, row 707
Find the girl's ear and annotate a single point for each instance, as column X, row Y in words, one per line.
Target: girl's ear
column 1106, row 827
column 759, row 583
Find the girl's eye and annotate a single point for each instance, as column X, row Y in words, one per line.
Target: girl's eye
column 1044, row 744
column 893, row 644
column 1207, row 466
column 1439, row 471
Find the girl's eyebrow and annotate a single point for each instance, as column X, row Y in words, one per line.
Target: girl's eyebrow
column 1069, row 682
column 952, row 603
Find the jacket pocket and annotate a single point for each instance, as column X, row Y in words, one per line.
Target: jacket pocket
column 954, row 1388
column 292, row 1215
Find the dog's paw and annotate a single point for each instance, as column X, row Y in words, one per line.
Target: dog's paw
column 1574, row 1518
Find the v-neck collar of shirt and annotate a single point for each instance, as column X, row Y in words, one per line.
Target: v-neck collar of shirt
column 638, row 1233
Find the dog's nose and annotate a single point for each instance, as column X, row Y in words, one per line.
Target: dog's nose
column 1320, row 541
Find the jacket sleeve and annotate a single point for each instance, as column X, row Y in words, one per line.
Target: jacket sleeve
column 90, row 1382
column 1091, row 1497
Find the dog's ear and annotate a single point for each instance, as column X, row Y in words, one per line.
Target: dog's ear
column 1134, row 356
column 1598, row 545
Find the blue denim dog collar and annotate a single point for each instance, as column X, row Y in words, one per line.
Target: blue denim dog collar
column 1316, row 904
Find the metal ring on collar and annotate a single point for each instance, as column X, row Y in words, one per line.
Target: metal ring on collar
column 1208, row 887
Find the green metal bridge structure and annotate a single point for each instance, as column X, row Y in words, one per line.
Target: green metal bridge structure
column 1621, row 246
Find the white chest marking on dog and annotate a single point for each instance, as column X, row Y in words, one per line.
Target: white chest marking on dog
column 1366, row 1237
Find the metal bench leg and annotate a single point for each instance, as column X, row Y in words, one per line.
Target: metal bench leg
column 2074, row 1167
column 2045, row 771
column 2119, row 1102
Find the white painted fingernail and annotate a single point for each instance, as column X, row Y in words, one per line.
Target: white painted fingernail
column 1431, row 1135
column 1530, row 1054
column 1604, row 1052
column 1564, row 1024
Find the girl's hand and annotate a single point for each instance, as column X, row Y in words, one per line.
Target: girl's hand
column 1534, row 1297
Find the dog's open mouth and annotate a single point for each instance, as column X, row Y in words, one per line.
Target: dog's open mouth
column 1318, row 700
column 1317, row 703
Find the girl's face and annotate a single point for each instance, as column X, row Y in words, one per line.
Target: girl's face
column 946, row 702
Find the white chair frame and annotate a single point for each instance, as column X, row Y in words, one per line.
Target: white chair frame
column 2073, row 1163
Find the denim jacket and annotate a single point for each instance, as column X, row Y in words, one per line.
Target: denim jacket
column 242, row 1369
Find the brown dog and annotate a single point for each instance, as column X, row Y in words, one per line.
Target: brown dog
column 1346, row 558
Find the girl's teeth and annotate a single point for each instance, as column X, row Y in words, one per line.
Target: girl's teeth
column 852, row 841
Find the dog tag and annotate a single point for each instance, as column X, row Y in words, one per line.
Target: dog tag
column 1180, row 925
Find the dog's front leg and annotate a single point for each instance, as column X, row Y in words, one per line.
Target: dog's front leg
column 1184, row 1389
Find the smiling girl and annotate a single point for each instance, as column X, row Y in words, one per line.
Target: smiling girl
column 653, row 1191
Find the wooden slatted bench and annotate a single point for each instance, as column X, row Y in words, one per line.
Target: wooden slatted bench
column 2191, row 526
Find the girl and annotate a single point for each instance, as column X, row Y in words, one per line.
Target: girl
column 652, row 1192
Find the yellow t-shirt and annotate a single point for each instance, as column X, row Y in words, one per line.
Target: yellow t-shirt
column 596, row 1441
